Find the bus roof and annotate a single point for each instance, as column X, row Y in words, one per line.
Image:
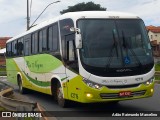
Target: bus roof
column 97, row 14
column 78, row 15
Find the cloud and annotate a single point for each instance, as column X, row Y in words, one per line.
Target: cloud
column 13, row 12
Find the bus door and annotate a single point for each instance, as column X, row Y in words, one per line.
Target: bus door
column 71, row 63
column 68, row 54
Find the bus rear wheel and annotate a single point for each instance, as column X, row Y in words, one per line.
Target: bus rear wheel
column 59, row 96
column 22, row 90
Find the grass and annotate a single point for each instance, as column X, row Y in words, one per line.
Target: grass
column 2, row 71
column 2, row 109
column 157, row 77
column 157, row 67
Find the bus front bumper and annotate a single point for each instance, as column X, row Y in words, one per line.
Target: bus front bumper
column 91, row 95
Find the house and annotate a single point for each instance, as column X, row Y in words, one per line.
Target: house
column 154, row 36
column 3, row 41
column 2, row 57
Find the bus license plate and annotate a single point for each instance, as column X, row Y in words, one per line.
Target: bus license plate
column 125, row 94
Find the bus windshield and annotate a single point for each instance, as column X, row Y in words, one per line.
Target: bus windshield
column 119, row 46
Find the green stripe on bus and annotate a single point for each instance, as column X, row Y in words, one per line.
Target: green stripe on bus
column 39, row 83
column 64, row 78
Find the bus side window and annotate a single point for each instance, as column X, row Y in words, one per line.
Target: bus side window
column 9, row 50
column 44, row 40
column 55, row 37
column 50, row 36
column 40, row 36
column 20, row 47
column 36, row 42
column 26, row 48
column 13, row 48
column 32, row 44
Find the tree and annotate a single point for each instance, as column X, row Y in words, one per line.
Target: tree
column 89, row 6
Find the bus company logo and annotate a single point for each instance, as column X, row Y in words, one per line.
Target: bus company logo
column 23, row 115
column 6, row 114
column 124, row 70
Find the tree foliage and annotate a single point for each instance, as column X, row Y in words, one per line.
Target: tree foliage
column 89, row 6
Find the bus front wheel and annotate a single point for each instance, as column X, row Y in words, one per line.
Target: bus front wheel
column 60, row 99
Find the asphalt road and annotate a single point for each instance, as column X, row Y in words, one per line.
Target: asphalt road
column 97, row 111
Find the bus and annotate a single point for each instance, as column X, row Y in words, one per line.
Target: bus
column 87, row 57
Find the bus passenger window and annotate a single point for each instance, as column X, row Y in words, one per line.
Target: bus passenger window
column 40, row 41
column 36, row 42
column 50, row 36
column 9, row 50
column 32, row 44
column 26, row 47
column 15, row 48
column 44, row 40
column 55, row 37
column 20, row 47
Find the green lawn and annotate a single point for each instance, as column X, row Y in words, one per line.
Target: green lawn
column 2, row 71
column 2, row 109
column 157, row 68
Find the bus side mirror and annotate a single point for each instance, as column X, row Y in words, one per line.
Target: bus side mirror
column 78, row 41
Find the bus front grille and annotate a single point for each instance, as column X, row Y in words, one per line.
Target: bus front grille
column 123, row 86
column 116, row 95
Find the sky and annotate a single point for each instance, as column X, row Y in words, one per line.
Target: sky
column 13, row 12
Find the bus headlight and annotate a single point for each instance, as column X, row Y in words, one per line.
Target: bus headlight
column 92, row 84
column 150, row 81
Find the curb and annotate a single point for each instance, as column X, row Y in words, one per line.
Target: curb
column 20, row 105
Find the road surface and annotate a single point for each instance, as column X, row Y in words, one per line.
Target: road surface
column 97, row 111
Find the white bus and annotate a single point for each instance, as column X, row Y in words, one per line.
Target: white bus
column 91, row 56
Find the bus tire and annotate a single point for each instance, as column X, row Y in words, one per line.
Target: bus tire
column 60, row 99
column 22, row 90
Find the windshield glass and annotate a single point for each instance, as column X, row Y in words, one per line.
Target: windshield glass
column 114, row 44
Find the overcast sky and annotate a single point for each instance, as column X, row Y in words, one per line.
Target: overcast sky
column 13, row 12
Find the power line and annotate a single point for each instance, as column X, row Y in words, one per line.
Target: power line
column 43, row 11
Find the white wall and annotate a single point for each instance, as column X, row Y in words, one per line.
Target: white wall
column 155, row 36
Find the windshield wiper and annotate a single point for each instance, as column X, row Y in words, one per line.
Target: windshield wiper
column 111, row 52
column 126, row 47
column 124, row 43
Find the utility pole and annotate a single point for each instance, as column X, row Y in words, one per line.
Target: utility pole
column 28, row 18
